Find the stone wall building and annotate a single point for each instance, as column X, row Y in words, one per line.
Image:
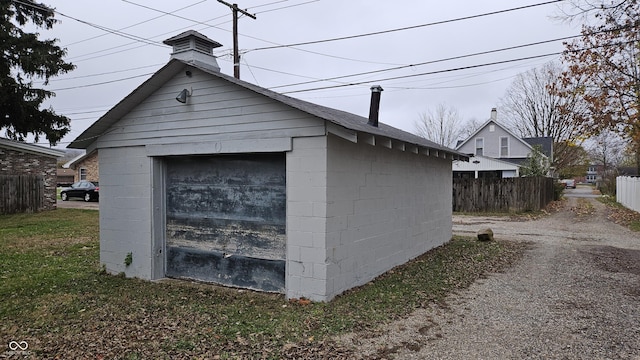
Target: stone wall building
column 17, row 158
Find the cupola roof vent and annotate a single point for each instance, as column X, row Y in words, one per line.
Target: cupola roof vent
column 193, row 47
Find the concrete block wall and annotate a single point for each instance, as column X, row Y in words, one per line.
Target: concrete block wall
column 384, row 207
column 306, row 268
column 15, row 162
column 125, row 211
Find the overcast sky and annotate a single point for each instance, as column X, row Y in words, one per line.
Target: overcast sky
column 117, row 44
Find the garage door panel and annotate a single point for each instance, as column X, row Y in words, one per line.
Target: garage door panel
column 226, row 219
column 245, row 238
column 259, row 203
column 240, row 271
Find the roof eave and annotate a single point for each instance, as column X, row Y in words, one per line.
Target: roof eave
column 31, row 148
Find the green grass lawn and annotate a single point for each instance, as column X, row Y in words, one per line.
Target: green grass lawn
column 56, row 298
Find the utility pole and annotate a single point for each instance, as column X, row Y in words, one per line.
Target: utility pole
column 236, row 55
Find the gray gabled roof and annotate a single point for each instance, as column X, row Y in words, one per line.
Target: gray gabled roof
column 341, row 118
column 30, row 148
column 545, row 142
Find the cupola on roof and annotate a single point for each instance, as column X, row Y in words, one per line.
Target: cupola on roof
column 193, row 47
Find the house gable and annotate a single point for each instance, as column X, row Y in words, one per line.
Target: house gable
column 218, row 117
column 492, row 134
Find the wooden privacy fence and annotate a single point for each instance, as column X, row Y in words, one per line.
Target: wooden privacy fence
column 21, row 193
column 628, row 192
column 502, row 195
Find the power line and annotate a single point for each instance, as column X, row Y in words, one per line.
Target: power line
column 407, row 27
column 364, row 73
column 425, row 73
column 165, row 13
column 136, row 24
column 104, row 73
column 206, row 25
column 100, row 27
column 284, row 7
column 267, row 4
column 432, row 61
column 315, row 80
column 460, row 68
column 102, row 83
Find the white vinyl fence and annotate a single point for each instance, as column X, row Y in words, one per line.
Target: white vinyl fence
column 628, row 192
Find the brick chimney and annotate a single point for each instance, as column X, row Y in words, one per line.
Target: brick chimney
column 494, row 114
column 195, row 48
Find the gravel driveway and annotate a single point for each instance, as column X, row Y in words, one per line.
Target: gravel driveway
column 575, row 295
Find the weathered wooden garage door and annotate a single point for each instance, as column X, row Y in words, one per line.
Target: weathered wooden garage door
column 226, row 219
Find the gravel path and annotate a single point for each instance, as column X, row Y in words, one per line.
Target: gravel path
column 575, row 295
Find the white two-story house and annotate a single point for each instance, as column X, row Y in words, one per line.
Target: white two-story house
column 496, row 152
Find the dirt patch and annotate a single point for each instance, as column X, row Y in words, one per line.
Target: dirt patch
column 316, row 350
column 615, row 260
column 583, row 208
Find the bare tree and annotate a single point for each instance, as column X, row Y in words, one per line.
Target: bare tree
column 470, row 127
column 603, row 68
column 531, row 110
column 607, row 150
column 443, row 125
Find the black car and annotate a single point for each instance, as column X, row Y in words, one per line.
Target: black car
column 87, row 190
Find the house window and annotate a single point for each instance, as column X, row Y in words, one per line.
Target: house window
column 492, row 128
column 504, row 146
column 83, row 174
column 479, row 146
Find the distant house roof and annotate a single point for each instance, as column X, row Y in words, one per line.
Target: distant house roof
column 30, row 148
column 76, row 160
column 341, row 118
column 545, row 142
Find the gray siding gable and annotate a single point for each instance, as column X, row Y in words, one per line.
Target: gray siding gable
column 217, row 112
column 348, row 121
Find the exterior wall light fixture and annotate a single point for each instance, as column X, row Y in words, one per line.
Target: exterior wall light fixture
column 184, row 94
